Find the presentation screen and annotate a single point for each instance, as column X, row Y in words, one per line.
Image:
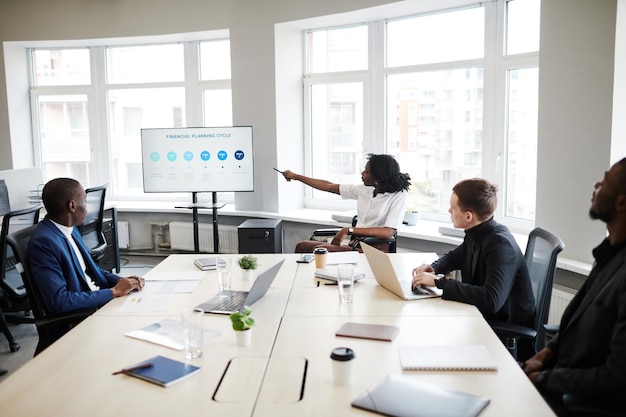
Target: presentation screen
column 198, row 159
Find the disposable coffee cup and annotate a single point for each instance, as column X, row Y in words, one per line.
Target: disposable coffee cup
column 342, row 359
column 320, row 257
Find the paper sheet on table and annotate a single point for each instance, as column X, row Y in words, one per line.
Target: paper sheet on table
column 167, row 332
column 348, row 257
column 170, row 282
column 145, row 302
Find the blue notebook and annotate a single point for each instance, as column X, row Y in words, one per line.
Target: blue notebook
column 164, row 371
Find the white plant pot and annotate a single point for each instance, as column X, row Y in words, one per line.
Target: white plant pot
column 248, row 274
column 411, row 219
column 244, row 337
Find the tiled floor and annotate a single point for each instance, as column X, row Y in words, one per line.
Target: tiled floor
column 26, row 334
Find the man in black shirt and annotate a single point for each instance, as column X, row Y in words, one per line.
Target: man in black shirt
column 494, row 275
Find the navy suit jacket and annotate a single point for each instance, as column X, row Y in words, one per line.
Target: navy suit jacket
column 58, row 274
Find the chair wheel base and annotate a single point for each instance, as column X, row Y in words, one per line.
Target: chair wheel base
column 14, row 347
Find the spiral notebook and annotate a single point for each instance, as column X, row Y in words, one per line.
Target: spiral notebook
column 446, row 358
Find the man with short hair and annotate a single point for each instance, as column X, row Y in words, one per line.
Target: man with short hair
column 587, row 358
column 494, row 275
column 66, row 275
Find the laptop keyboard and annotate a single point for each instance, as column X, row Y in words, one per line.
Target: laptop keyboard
column 230, row 302
column 406, row 288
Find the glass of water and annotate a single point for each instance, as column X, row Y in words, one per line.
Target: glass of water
column 345, row 282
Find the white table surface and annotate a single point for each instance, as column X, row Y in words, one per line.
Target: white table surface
column 296, row 323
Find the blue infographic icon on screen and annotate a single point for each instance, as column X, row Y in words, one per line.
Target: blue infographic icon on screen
column 188, row 156
column 155, row 156
column 171, row 156
column 222, row 155
column 205, row 155
column 239, row 155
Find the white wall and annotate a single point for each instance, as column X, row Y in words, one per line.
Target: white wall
column 575, row 108
column 575, row 98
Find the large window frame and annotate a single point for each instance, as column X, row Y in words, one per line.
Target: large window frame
column 99, row 168
column 496, row 65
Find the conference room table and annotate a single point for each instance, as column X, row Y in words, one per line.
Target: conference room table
column 285, row 371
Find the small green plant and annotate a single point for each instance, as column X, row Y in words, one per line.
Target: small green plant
column 242, row 320
column 248, row 262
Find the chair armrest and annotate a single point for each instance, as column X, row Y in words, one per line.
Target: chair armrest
column 513, row 330
column 68, row 318
column 551, row 329
column 326, row 232
column 592, row 408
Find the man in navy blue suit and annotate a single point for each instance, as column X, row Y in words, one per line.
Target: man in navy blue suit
column 67, row 276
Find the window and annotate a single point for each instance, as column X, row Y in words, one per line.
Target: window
column 92, row 103
column 438, row 114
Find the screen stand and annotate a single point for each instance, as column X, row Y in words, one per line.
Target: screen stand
column 196, row 223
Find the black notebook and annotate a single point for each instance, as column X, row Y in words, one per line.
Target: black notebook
column 399, row 396
column 164, row 371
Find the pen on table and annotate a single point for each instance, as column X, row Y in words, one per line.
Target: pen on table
column 133, row 368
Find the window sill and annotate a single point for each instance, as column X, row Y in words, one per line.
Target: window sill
column 424, row 230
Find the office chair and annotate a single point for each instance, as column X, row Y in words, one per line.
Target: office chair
column 91, row 229
column 541, row 253
column 49, row 327
column 14, row 304
column 386, row 245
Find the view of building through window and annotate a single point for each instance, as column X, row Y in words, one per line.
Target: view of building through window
column 93, row 134
column 432, row 116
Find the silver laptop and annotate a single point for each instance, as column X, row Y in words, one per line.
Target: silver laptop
column 385, row 275
column 227, row 302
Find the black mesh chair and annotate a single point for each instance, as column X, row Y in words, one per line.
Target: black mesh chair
column 49, row 327
column 386, row 245
column 14, row 304
column 541, row 254
column 91, row 229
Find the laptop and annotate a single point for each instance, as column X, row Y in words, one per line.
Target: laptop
column 228, row 302
column 385, row 275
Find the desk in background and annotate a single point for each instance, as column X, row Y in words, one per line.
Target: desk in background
column 296, row 322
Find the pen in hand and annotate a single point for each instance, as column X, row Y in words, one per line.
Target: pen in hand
column 133, row 368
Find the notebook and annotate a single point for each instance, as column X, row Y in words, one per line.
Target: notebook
column 368, row 331
column 400, row 396
column 446, row 358
column 331, row 274
column 207, row 264
column 164, row 371
column 385, row 275
column 227, row 302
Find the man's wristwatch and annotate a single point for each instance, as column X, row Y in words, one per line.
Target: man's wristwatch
column 351, row 230
column 440, row 280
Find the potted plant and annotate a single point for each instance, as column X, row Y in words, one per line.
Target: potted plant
column 242, row 325
column 248, row 264
column 411, row 217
